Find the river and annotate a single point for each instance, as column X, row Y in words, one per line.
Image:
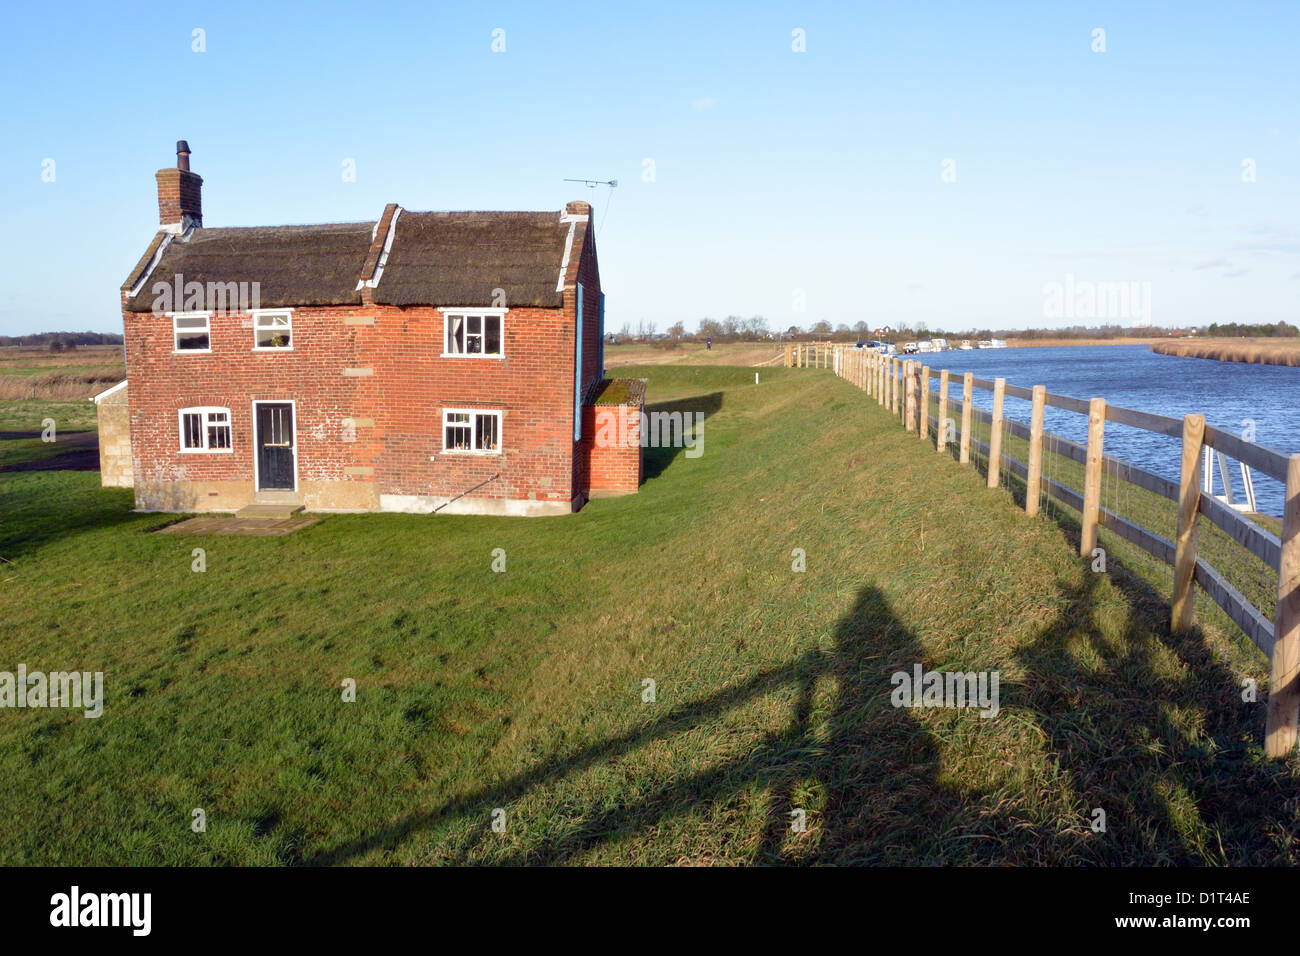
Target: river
column 1229, row 394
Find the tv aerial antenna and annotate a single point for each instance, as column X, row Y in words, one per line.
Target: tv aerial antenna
column 592, row 184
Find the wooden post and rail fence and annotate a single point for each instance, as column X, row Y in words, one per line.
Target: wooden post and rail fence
column 903, row 387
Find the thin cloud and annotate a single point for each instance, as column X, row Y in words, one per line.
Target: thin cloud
column 704, row 103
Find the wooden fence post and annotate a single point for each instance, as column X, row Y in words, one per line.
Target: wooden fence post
column 995, row 432
column 788, row 350
column 903, row 371
column 1189, row 499
column 902, row 384
column 941, row 438
column 967, row 387
column 880, row 380
column 893, row 386
column 904, row 381
column 923, row 426
column 1034, row 483
column 1092, row 476
column 1284, row 685
column 914, row 386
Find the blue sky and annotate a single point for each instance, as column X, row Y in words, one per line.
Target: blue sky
column 774, row 170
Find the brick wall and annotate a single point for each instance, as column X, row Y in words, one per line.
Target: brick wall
column 180, row 193
column 380, row 425
column 615, row 467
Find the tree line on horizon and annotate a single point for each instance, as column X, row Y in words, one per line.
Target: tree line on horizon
column 734, row 328
column 60, row 341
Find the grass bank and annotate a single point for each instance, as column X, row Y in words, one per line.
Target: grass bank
column 1252, row 351
column 525, row 691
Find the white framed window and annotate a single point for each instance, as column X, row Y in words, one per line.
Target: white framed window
column 192, row 331
column 205, row 429
column 273, row 330
column 470, row 430
column 473, row 333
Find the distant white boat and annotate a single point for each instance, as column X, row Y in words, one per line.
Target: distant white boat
column 966, row 346
column 939, row 345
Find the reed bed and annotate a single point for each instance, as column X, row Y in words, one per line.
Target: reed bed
column 1253, row 351
column 60, row 385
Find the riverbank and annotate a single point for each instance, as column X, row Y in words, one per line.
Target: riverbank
column 1250, row 351
column 659, row 679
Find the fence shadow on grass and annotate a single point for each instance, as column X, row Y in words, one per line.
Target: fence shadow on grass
column 874, row 763
column 1153, row 729
column 872, row 771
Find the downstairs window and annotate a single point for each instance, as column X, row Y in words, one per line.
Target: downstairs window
column 205, row 429
column 468, row 430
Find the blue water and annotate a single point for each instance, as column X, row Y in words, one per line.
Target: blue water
column 1226, row 393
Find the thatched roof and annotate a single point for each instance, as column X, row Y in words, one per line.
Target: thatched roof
column 460, row 258
column 293, row 265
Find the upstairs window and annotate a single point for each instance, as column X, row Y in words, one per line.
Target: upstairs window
column 475, row 334
column 272, row 331
column 469, row 430
column 205, row 429
column 191, row 331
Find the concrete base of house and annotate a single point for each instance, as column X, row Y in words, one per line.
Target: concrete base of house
column 335, row 496
column 200, row 496
column 508, row 507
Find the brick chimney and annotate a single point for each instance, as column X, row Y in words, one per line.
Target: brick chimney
column 180, row 201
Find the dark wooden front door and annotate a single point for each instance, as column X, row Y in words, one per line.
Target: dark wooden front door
column 275, row 447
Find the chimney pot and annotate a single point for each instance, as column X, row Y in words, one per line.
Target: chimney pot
column 182, row 155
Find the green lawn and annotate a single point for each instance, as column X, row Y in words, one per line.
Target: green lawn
column 29, row 416
column 523, row 690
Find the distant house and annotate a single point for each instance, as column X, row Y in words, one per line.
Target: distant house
column 417, row 362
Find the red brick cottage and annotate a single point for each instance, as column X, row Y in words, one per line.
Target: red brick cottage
column 427, row 361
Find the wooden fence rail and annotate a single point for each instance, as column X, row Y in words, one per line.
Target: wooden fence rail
column 903, row 387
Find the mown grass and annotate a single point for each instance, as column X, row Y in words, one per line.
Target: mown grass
column 23, row 415
column 523, row 690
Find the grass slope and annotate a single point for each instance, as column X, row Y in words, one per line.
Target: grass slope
column 523, row 690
